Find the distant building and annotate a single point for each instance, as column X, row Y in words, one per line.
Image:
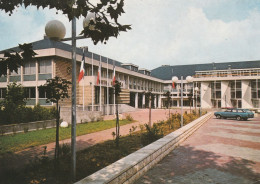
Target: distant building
column 232, row 84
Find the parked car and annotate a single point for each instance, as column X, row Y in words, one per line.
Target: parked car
column 239, row 114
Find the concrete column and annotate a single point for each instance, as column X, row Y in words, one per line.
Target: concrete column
column 155, row 104
column 246, row 94
column 128, row 82
column 37, row 78
column 143, row 101
column 225, row 94
column 205, row 95
column 160, row 102
column 136, row 100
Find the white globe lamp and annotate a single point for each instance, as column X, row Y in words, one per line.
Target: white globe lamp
column 55, row 30
column 174, row 79
column 196, row 89
column 189, row 79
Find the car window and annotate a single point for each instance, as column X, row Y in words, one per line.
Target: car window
column 239, row 110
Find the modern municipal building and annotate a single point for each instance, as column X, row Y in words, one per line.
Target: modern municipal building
column 211, row 85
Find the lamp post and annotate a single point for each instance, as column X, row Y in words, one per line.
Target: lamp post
column 55, row 30
column 175, row 79
column 150, row 107
column 189, row 79
column 196, row 93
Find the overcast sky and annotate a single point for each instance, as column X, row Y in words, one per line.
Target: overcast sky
column 171, row 32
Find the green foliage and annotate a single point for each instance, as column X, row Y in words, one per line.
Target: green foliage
column 168, row 99
column 129, row 117
column 151, row 134
column 97, row 156
column 17, row 142
column 56, row 89
column 15, row 97
column 14, row 60
column 106, row 14
column 26, row 114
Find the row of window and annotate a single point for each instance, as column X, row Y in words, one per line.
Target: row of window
column 29, row 91
column 29, row 68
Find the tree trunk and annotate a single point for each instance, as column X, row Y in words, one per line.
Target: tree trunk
column 117, row 126
column 57, row 131
column 150, row 111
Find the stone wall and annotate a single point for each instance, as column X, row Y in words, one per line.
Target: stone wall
column 130, row 168
column 24, row 127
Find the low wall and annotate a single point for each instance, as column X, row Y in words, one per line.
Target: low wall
column 133, row 166
column 23, row 127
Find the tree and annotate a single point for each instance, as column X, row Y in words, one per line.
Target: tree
column 106, row 14
column 13, row 60
column 14, row 100
column 190, row 98
column 148, row 96
column 117, row 90
column 56, row 90
column 168, row 101
column 105, row 25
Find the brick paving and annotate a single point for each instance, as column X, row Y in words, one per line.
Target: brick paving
column 23, row 157
column 220, row 152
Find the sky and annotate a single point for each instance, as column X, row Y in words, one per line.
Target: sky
column 164, row 32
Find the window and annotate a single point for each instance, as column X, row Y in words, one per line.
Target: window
column 2, row 92
column 29, row 68
column 30, row 92
column 45, row 66
column 42, row 93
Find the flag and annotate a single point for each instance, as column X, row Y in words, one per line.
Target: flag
column 99, row 73
column 114, row 75
column 173, row 85
column 82, row 68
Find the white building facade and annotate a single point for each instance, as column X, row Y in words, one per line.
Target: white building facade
column 218, row 85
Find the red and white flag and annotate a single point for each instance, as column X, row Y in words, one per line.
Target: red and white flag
column 114, row 76
column 99, row 73
column 82, row 68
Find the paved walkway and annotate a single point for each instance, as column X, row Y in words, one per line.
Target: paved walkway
column 220, row 152
column 25, row 156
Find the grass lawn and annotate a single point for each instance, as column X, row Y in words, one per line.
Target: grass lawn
column 17, row 142
column 91, row 159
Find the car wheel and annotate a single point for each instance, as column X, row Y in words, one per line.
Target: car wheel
column 238, row 118
column 218, row 116
column 245, row 119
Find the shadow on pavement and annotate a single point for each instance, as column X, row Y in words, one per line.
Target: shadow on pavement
column 188, row 165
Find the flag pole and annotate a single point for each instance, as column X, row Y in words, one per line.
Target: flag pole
column 114, row 92
column 107, row 90
column 92, row 86
column 84, row 82
column 100, row 83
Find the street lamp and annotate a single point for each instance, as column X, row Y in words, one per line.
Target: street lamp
column 196, row 89
column 189, row 79
column 55, row 30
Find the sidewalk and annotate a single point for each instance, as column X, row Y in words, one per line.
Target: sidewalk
column 220, row 152
column 25, row 156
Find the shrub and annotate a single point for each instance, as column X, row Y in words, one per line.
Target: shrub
column 151, row 134
column 129, row 117
column 26, row 114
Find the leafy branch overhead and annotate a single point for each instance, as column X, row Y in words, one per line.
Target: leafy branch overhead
column 56, row 89
column 106, row 13
column 13, row 60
